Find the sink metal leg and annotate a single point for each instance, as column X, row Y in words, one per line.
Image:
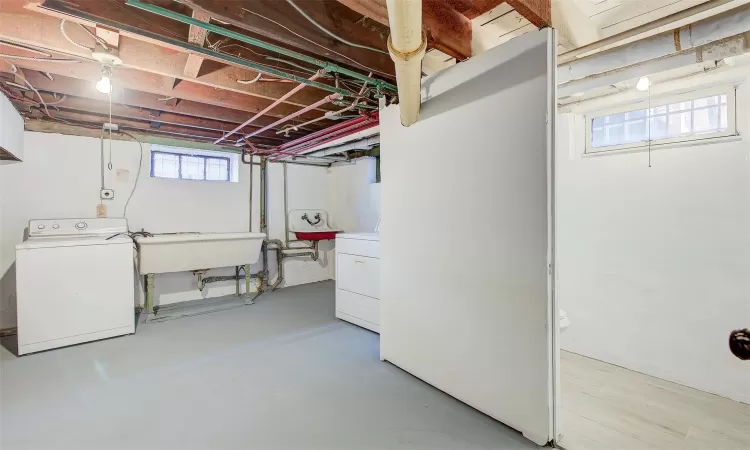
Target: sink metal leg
column 249, row 300
column 150, row 294
column 237, row 280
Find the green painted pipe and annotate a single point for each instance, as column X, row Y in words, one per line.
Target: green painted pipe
column 60, row 7
column 327, row 66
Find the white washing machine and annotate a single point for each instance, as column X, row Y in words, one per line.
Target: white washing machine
column 75, row 283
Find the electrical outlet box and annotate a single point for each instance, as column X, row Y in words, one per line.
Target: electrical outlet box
column 107, row 194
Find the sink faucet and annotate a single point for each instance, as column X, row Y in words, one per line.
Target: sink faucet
column 317, row 219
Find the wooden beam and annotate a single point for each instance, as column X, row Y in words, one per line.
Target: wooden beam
column 140, row 54
column 101, row 109
column 111, row 37
column 79, row 88
column 373, row 9
column 447, row 22
column 328, row 13
column 447, row 29
column 156, row 84
column 193, row 65
column 197, row 36
column 91, row 120
column 538, row 12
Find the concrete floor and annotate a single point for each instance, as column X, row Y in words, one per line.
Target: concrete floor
column 280, row 374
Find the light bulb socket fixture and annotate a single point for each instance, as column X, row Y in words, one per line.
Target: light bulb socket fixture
column 643, row 84
column 105, row 84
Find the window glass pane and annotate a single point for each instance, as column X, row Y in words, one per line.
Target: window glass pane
column 165, row 165
column 192, row 167
column 681, row 106
column 679, row 123
column 659, row 127
column 598, row 137
column 217, row 169
column 678, row 119
column 707, row 120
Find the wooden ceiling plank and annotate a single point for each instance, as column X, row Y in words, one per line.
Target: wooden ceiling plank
column 329, row 13
column 448, row 30
column 101, row 108
column 538, row 12
column 133, row 125
column 197, row 36
column 79, row 88
column 142, row 54
column 157, row 84
column 111, row 37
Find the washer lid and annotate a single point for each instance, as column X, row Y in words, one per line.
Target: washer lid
column 49, row 242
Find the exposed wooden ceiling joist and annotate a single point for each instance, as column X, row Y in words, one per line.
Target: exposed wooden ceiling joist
column 447, row 29
column 447, row 22
column 197, row 36
column 137, row 99
column 282, row 24
column 43, row 31
column 157, row 84
column 101, row 109
column 77, row 118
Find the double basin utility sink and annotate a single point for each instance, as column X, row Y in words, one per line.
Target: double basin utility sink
column 183, row 252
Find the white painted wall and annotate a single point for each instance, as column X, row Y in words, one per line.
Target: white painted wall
column 354, row 196
column 654, row 263
column 60, row 178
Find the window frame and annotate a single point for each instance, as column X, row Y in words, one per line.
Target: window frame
column 729, row 91
column 179, row 165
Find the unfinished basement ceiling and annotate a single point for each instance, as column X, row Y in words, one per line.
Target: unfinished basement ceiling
column 179, row 80
column 165, row 87
column 591, row 20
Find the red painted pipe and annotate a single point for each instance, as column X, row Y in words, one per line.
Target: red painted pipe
column 268, row 108
column 334, row 136
column 323, row 132
column 315, row 105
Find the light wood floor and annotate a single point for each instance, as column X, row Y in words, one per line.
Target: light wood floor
column 606, row 407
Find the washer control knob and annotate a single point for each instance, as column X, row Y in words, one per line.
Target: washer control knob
column 41, row 227
column 55, row 226
column 81, row 225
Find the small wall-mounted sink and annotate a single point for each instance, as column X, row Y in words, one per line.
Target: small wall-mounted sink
column 311, row 225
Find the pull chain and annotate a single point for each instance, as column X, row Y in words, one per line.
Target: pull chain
column 109, row 165
column 648, row 116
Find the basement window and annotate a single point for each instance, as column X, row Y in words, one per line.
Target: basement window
column 178, row 163
column 689, row 117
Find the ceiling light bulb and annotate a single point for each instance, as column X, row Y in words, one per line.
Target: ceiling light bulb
column 643, row 84
column 104, row 85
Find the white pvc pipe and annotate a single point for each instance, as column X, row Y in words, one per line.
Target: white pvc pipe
column 362, row 144
column 700, row 33
column 675, row 20
column 407, row 45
